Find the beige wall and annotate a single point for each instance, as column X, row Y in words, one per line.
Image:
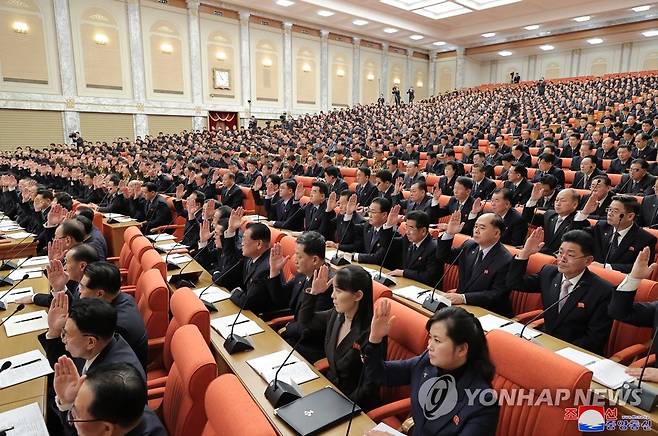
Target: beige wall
column 45, row 127
column 370, row 75
column 168, row 124
column 220, row 49
column 397, row 67
column 106, row 127
column 266, row 65
column 445, row 74
column 306, row 72
column 341, row 70
column 419, row 78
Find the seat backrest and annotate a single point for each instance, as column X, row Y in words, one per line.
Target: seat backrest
column 451, row 279
column 153, row 260
column 183, row 404
column 134, row 271
column 230, row 410
column 186, row 308
column 275, row 235
column 130, row 233
column 98, row 220
column 139, row 246
column 380, row 291
column 154, row 303
column 248, row 203
column 288, row 244
column 523, row 302
column 124, row 256
column 512, row 357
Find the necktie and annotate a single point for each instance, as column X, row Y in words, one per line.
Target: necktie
column 475, row 188
column 614, row 243
column 559, row 222
column 564, row 291
column 478, row 259
column 585, row 182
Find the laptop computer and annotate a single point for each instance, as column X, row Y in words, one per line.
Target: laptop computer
column 317, row 411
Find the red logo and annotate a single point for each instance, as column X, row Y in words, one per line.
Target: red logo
column 571, row 414
column 611, row 414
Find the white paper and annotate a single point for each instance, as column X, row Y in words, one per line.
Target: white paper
column 413, row 293
column 609, row 373
column 387, row 429
column 26, row 323
column 243, row 326
column 11, row 228
column 577, row 356
column 255, row 218
column 19, row 235
column 162, row 237
column 124, row 219
column 490, row 322
column 26, row 420
column 294, row 370
column 32, row 272
column 110, row 215
column 177, row 259
column 212, row 294
column 17, row 293
column 329, row 253
column 516, row 327
column 16, row 374
column 35, row 261
column 172, row 246
column 375, row 273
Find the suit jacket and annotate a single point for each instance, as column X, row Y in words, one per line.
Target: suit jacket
column 485, row 284
column 610, row 154
column 464, row 419
column 192, row 225
column 648, row 153
column 447, row 186
column 546, row 203
column 410, row 205
column 622, row 258
column 599, row 213
column 97, row 240
column 619, row 167
column 579, row 179
column 629, row 186
column 583, row 320
column 232, row 197
column 453, row 205
column 137, row 208
column 558, row 173
column 89, row 194
column 520, row 194
column 408, row 181
column 44, row 300
column 285, row 215
column 373, row 244
column 366, row 194
column 649, row 211
column 484, row 190
column 149, row 425
column 339, row 186
column 156, row 214
column 552, row 235
column 624, row 308
column 417, row 263
column 116, row 203
column 317, row 219
column 345, row 233
column 130, row 325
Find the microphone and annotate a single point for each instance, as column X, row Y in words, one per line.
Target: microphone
column 279, row 393
column 236, row 343
column 3, row 306
column 104, row 198
column 18, row 309
column 648, row 394
column 6, row 281
column 540, row 314
column 379, row 278
column 171, row 265
column 358, row 384
column 8, row 264
column 211, row 307
column 430, row 302
column 5, row 366
column 624, row 185
column 177, row 279
column 340, row 260
column 605, row 261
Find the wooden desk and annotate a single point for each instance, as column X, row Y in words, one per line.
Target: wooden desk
column 265, row 343
column 13, row 248
column 114, row 236
column 40, row 400
column 20, row 344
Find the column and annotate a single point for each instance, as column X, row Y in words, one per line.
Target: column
column 356, row 70
column 198, row 122
column 287, row 67
column 138, row 74
column 245, row 61
column 493, row 71
column 384, row 72
column 431, row 80
column 408, row 81
column 575, row 63
column 71, row 118
column 460, row 71
column 625, row 58
column 532, row 68
column 324, row 70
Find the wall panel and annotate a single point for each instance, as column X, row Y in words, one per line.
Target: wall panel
column 26, row 127
column 95, row 126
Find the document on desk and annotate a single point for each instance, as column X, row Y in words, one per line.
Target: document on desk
column 17, row 293
column 419, row 295
column 26, row 323
column 294, row 369
column 490, row 322
column 177, row 258
column 212, row 294
column 243, row 326
column 19, row 235
column 609, row 373
column 23, row 421
column 161, row 237
column 516, row 327
column 375, row 273
column 111, row 216
column 387, row 429
column 577, row 356
column 24, row 367
column 33, row 272
column 34, row 261
column 124, row 219
column 172, row 246
column 10, row 228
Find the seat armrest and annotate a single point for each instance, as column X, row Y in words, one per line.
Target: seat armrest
column 391, row 409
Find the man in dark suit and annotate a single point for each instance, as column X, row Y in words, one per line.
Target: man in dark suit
column 588, row 170
column 518, row 184
column 372, row 236
column 585, row 151
column 412, row 176
column 433, row 165
column 648, row 216
column 642, row 150
column 483, row 186
column 102, row 280
column 520, row 156
column 344, row 231
column 385, row 184
column 607, row 149
column 555, row 222
column 230, row 195
column 336, row 184
column 573, row 149
column 637, row 181
column 515, row 228
column 193, row 213
column 618, row 239
column 416, row 259
column 549, row 192
column 309, row 257
column 89, row 192
column 316, row 217
column 284, row 212
column 546, row 166
column 115, row 202
column 418, row 198
column 156, row 211
column 365, row 191
column 601, row 189
column 575, row 300
column 622, row 163
column 461, row 200
column 483, row 264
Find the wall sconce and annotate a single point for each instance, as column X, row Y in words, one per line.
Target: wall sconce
column 340, row 73
column 267, row 62
column 396, row 81
column 20, row 27
column 370, row 77
column 306, row 68
column 101, row 39
column 220, row 55
column 166, row 48
column 419, row 84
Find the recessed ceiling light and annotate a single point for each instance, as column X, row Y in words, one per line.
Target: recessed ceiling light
column 439, row 43
column 324, row 13
column 284, row 3
column 505, row 53
column 416, row 37
column 546, row 47
column 390, row 30
column 650, row 33
column 582, row 19
column 488, row 35
column 594, row 41
column 532, row 27
column 359, row 22
column 641, row 8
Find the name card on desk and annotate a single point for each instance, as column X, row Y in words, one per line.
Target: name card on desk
column 293, row 370
column 24, row 367
column 35, row 261
column 32, row 272
column 161, row 237
column 172, row 246
column 26, row 323
column 212, row 294
column 490, row 322
column 414, row 293
column 24, row 421
column 516, row 327
column 19, row 235
column 243, row 326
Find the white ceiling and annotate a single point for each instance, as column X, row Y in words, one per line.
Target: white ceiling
column 507, row 21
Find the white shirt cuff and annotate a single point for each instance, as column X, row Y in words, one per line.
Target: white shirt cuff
column 607, row 266
column 629, row 284
column 446, row 236
column 62, row 407
column 434, row 202
column 580, row 216
column 472, row 216
column 386, row 227
column 202, row 244
column 348, row 217
column 531, row 203
column 228, row 233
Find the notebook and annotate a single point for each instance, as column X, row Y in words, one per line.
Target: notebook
column 317, row 411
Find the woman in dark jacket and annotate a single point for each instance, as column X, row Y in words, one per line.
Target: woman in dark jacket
column 456, row 360
column 345, row 327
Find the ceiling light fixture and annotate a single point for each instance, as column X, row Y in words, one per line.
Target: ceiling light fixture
column 641, row 8
column 546, row 47
column 166, row 48
column 359, row 22
column 284, row 3
column 439, row 43
column 101, row 39
column 390, row 30
column 416, row 37
column 595, row 41
column 488, row 35
column 582, row 19
column 532, row 27
column 325, row 13
column 650, row 33
column 505, row 53
column 20, row 27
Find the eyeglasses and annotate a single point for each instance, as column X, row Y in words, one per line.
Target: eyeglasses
column 615, row 211
column 636, row 170
column 70, row 419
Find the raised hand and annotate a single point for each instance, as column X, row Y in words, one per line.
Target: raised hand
column 382, row 321
column 67, row 381
column 351, row 205
column 180, row 190
column 277, row 260
column 299, row 191
column 320, row 280
column 392, row 219
column 455, row 225
column 332, row 201
column 436, row 193
column 270, row 188
column 235, row 220
column 57, row 276
column 58, row 313
column 204, row 232
column 398, row 186
column 210, row 209
column 258, row 183
column 533, row 244
column 642, row 269
column 537, row 192
column 478, row 206
column 591, row 206
column 56, row 250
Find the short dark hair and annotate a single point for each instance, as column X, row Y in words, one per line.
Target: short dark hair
column 550, row 180
column 384, row 176
column 275, row 179
column 365, row 171
column 290, row 183
column 73, row 228
column 643, row 163
column 260, row 232
column 47, row 194
column 547, row 157
column 581, row 238
column 94, row 316
column 65, row 200
column 313, row 243
column 520, row 169
column 384, row 204
column 323, row 187
column 119, row 394
column 103, row 275
column 465, row 182
column 421, row 218
column 332, row 171
column 630, row 203
column 88, row 225
column 497, row 222
column 84, row 253
column 505, row 193
column 151, row 187
column 603, row 179
column 85, row 212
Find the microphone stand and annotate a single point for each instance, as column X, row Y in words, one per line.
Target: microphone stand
column 3, row 306
column 540, row 314
column 340, row 260
column 236, row 343
column 279, row 393
column 18, row 309
column 379, row 278
column 430, row 302
column 647, row 394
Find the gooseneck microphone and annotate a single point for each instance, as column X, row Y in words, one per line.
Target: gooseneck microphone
column 431, row 303
column 647, row 394
column 236, row 343
column 379, row 278
column 18, row 309
column 3, row 306
column 279, row 393
column 338, row 260
column 540, row 314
